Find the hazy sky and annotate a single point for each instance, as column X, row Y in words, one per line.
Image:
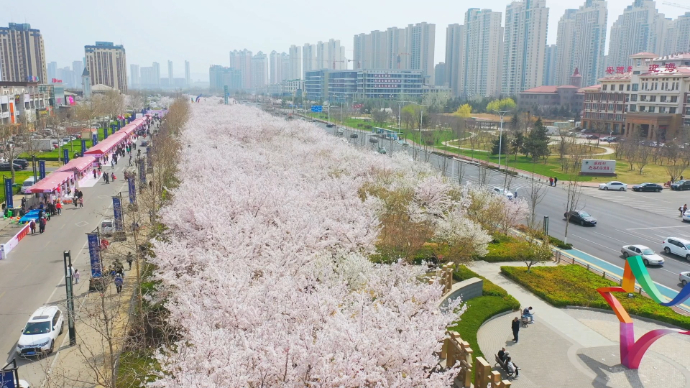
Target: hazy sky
column 204, row 31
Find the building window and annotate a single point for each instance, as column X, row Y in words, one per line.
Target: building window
column 651, row 109
column 642, row 109
column 652, row 98
column 662, row 98
column 662, row 109
column 634, row 87
column 604, row 87
column 674, row 98
column 620, row 87
column 633, row 108
column 610, row 106
column 643, row 97
column 633, row 97
column 672, row 110
column 627, row 87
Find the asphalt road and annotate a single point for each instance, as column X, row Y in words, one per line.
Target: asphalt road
column 623, row 218
column 33, row 274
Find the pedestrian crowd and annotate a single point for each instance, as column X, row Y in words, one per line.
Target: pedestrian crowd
column 553, row 181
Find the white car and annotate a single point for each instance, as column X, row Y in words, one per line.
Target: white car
column 613, row 185
column 686, row 216
column 41, row 332
column 505, row 192
column 648, row 255
column 677, row 246
column 684, row 278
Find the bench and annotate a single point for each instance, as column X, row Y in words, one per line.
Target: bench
column 504, row 366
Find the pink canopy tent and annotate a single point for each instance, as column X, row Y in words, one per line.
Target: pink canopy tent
column 78, row 164
column 51, row 182
column 107, row 145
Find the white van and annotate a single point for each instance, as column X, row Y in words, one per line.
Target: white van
column 27, row 183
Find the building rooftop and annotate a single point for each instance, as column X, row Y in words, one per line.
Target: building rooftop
column 549, row 89
column 664, row 71
column 644, row 54
column 617, row 77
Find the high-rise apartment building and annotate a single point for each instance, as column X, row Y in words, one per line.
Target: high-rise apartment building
column 524, row 45
column 107, row 64
column 550, row 58
column 78, row 69
column 242, row 61
column 677, row 35
column 187, row 74
column 220, row 77
column 473, row 54
column 581, row 43
column 134, row 76
column 308, row 58
column 170, row 72
column 371, row 51
column 259, row 71
column 52, row 71
column 422, row 42
column 440, row 74
column 330, row 55
column 295, row 62
column 275, row 68
column 22, row 53
column 640, row 28
column 285, row 69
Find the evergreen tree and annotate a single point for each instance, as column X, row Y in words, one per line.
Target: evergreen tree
column 517, row 143
column 537, row 142
column 504, row 145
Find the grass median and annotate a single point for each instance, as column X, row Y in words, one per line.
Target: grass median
column 573, row 285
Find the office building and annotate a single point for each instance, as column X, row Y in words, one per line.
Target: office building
column 295, row 63
column 187, row 74
column 78, row 69
column 548, row 97
column 292, row 87
column 581, row 42
column 107, row 64
column 550, row 58
column 473, row 54
column 524, row 45
column 134, row 79
column 440, row 74
column 259, row 71
column 220, row 76
column 22, row 53
column 52, row 71
column 343, row 85
column 242, row 61
column 308, row 58
column 330, row 55
column 66, row 76
column 23, row 101
column 640, row 28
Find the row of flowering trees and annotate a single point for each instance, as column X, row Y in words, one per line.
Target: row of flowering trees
column 266, row 265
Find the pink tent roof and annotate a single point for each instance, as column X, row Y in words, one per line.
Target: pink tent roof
column 107, row 144
column 51, row 182
column 78, row 164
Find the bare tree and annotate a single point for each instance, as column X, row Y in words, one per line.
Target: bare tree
column 573, row 193
column 642, row 157
column 536, row 193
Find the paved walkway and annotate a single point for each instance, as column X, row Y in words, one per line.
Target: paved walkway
column 577, row 348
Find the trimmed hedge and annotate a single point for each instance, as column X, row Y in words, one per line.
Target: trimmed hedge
column 503, row 248
column 573, row 285
column 495, row 300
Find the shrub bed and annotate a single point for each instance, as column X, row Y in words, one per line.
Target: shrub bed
column 573, row 285
column 495, row 300
column 503, row 248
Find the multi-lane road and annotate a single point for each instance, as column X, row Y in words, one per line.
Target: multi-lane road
column 623, row 217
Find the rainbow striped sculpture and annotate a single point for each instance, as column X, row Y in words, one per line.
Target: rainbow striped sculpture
column 631, row 351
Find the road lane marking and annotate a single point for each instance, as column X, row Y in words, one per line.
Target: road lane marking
column 2, row 293
column 27, row 266
column 660, row 227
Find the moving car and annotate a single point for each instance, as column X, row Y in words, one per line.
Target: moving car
column 681, row 185
column 354, row 135
column 684, row 278
column 7, row 167
column 677, row 246
column 41, row 332
column 648, row 187
column 686, row 216
column 648, row 255
column 580, row 217
column 505, row 192
column 330, row 125
column 613, row 185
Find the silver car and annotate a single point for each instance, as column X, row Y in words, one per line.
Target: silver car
column 649, row 257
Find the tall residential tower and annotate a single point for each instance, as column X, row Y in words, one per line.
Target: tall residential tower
column 22, row 53
column 107, row 64
column 639, row 29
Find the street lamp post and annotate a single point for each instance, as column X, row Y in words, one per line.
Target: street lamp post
column 500, row 138
column 67, row 258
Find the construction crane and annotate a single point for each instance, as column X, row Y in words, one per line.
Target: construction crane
column 676, row 5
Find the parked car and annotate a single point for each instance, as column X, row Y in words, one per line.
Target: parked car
column 677, row 246
column 681, row 185
column 686, row 216
column 340, row 131
column 592, row 137
column 648, row 187
column 28, row 182
column 354, row 135
column 580, row 217
column 505, row 192
column 22, row 162
column 7, row 167
column 613, row 185
column 41, row 332
column 684, row 278
column 330, row 125
column 648, row 255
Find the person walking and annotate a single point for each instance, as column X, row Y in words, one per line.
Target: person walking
column 81, row 202
column 41, row 225
column 94, row 174
column 516, row 328
column 130, row 259
column 555, row 181
column 58, row 206
column 118, row 282
column 680, row 210
column 685, row 208
column 550, row 181
column 32, row 226
column 76, row 276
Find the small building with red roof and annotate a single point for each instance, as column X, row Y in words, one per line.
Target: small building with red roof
column 544, row 98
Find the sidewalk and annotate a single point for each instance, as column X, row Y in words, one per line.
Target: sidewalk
column 575, row 347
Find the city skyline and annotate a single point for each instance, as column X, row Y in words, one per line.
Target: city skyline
column 254, row 32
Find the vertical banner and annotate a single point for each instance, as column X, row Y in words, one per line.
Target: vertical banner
column 41, row 169
column 113, row 128
column 117, row 213
column 132, row 190
column 83, row 146
column 65, row 155
column 7, row 378
column 105, row 132
column 8, row 193
column 94, row 139
column 142, row 172
column 95, row 255
column 119, row 124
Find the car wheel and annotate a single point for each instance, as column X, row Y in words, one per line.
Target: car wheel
column 687, row 257
column 667, row 250
column 622, row 189
column 52, row 347
column 582, row 223
column 625, row 255
column 606, row 188
column 646, row 262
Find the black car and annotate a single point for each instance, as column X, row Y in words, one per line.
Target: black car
column 7, row 167
column 330, row 125
column 354, row 135
column 22, row 162
column 648, row 187
column 580, row 217
column 681, row 185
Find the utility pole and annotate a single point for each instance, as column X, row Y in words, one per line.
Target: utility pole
column 500, row 144
column 67, row 258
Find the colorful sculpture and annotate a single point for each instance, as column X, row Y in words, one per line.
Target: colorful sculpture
column 631, row 351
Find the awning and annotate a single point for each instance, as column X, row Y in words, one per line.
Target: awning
column 78, row 164
column 107, row 145
column 51, row 182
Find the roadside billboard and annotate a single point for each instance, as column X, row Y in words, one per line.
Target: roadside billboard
column 598, row 167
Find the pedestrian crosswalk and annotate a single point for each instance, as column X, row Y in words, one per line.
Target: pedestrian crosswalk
column 665, row 203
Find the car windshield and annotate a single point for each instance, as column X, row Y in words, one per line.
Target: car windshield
column 584, row 214
column 647, row 251
column 687, row 247
column 37, row 328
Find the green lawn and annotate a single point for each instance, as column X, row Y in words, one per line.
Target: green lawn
column 74, row 147
column 19, row 178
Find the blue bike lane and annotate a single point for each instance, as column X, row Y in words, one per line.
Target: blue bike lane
column 616, row 271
